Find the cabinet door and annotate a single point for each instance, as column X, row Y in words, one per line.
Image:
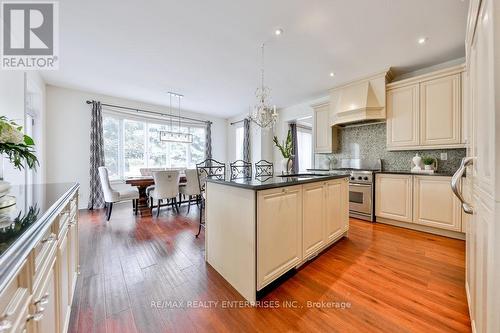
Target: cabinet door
column 337, row 208
column 402, row 117
column 393, row 197
column 440, row 111
column 313, row 212
column 322, row 129
column 43, row 314
column 434, row 203
column 73, row 257
column 279, row 232
column 63, row 281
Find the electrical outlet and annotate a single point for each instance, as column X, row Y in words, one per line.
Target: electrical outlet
column 444, row 156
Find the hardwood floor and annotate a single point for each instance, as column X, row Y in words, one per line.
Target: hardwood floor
column 382, row 278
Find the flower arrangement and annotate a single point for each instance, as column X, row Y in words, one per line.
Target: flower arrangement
column 17, row 146
column 285, row 148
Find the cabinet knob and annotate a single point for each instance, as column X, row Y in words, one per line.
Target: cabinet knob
column 5, row 325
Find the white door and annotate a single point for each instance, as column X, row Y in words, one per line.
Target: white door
column 483, row 176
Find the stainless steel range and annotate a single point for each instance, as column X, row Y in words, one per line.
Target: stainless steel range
column 361, row 186
column 362, row 194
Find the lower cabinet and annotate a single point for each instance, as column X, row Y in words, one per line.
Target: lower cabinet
column 44, row 311
column 394, row 196
column 325, row 214
column 295, row 223
column 63, row 281
column 279, row 232
column 419, row 199
column 435, row 205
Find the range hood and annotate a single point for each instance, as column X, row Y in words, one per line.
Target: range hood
column 359, row 101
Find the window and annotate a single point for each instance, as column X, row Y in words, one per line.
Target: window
column 239, row 143
column 304, row 143
column 133, row 143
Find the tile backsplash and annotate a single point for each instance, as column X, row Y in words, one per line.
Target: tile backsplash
column 369, row 143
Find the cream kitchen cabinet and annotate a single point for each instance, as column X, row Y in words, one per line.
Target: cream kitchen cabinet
column 279, row 231
column 440, row 111
column 337, row 209
column 37, row 277
column 325, row 214
column 394, row 197
column 325, row 136
column 313, row 220
column 425, row 112
column 403, row 116
column 434, row 203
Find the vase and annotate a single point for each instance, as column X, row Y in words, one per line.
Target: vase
column 428, row 167
column 286, row 165
column 5, row 200
column 417, row 162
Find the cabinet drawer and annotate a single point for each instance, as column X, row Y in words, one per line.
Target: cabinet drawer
column 14, row 302
column 43, row 250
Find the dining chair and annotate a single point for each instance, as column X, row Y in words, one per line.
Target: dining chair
column 264, row 168
column 113, row 195
column 209, row 168
column 166, row 188
column 240, row 170
column 192, row 186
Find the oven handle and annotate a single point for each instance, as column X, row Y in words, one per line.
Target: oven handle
column 361, row 185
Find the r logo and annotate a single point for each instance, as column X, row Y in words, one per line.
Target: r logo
column 28, row 29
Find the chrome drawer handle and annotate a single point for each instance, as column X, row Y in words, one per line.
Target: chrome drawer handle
column 49, row 239
column 455, row 180
column 43, row 300
column 37, row 316
column 5, row 325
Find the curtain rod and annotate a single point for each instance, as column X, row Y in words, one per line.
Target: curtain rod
column 153, row 112
column 237, row 122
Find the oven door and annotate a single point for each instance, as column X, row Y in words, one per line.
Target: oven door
column 360, row 199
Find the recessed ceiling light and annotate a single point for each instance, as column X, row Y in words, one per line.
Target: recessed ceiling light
column 332, row 74
column 422, row 40
column 278, row 32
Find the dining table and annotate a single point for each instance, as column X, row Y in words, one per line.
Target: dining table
column 142, row 183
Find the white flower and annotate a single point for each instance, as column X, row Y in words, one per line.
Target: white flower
column 10, row 134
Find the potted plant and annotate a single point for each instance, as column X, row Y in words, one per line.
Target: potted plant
column 17, row 147
column 286, row 150
column 429, row 163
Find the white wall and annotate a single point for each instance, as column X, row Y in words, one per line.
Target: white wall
column 68, row 134
column 288, row 114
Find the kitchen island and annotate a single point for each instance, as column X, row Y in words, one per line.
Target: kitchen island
column 259, row 229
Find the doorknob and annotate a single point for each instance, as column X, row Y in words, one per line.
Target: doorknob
column 466, row 161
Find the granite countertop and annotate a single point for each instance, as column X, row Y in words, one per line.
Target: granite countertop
column 406, row 172
column 22, row 222
column 264, row 183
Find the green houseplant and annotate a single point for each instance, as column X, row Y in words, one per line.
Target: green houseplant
column 19, row 149
column 429, row 162
column 286, row 149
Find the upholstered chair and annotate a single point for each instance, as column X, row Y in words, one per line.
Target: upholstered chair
column 113, row 195
column 166, row 188
column 192, row 187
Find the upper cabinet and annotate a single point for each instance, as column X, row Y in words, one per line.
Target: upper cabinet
column 425, row 112
column 325, row 135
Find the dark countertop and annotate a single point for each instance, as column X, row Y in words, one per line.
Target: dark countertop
column 23, row 223
column 403, row 172
column 263, row 183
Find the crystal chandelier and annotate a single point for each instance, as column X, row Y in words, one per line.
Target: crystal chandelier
column 175, row 136
column 263, row 114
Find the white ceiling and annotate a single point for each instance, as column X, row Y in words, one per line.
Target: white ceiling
column 209, row 50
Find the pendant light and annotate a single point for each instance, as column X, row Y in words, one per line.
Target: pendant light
column 171, row 135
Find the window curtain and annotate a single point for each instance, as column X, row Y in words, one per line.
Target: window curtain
column 208, row 140
column 295, row 148
column 246, row 140
column 96, row 196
